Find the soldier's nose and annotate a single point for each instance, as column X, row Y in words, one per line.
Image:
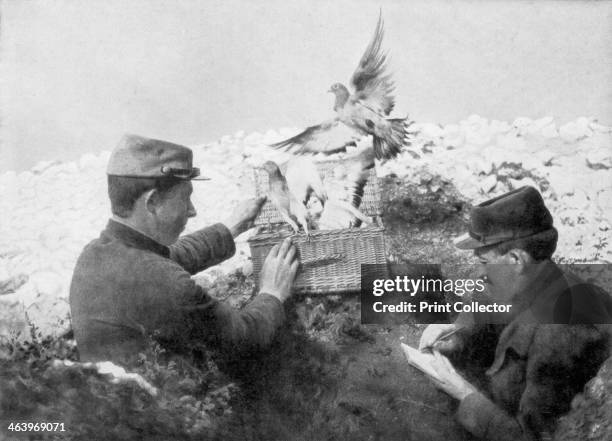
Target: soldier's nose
column 481, row 273
column 192, row 211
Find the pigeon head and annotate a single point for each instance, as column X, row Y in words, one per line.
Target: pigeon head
column 342, row 95
column 337, row 87
column 271, row 168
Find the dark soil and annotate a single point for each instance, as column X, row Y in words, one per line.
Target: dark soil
column 591, row 414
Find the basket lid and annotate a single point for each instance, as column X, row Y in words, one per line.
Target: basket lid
column 371, row 204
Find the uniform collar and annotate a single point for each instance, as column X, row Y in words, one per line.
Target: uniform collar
column 536, row 303
column 135, row 238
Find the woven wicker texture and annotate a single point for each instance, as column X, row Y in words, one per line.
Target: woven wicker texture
column 331, row 261
column 370, row 202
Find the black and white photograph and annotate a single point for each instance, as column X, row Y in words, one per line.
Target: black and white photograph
column 306, row 220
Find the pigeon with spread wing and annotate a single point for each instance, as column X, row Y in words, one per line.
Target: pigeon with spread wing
column 362, row 113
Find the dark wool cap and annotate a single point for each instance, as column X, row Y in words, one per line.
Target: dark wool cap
column 514, row 215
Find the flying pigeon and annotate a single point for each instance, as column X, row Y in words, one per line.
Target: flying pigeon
column 290, row 208
column 362, row 113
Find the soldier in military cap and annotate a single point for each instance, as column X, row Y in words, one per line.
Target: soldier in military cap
column 543, row 352
column 135, row 279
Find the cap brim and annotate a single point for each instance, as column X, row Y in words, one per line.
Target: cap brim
column 196, row 176
column 467, row 242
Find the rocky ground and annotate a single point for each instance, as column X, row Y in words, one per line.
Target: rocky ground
column 54, row 209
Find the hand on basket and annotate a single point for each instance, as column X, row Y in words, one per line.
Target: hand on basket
column 279, row 270
column 243, row 216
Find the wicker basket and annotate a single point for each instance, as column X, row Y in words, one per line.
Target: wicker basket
column 330, row 262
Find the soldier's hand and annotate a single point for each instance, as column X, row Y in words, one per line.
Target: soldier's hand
column 449, row 380
column 279, row 270
column 431, row 338
column 243, row 216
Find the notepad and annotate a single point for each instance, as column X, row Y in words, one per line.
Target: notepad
column 423, row 361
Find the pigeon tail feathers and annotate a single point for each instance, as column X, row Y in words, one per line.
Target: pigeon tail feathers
column 387, row 147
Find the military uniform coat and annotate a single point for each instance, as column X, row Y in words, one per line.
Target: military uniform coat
column 126, row 287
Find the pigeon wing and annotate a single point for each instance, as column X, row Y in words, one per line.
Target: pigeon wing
column 329, row 137
column 348, row 180
column 345, row 191
column 303, row 179
column 358, row 173
column 279, row 195
column 283, row 201
column 372, row 86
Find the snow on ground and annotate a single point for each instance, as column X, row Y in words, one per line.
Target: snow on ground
column 53, row 210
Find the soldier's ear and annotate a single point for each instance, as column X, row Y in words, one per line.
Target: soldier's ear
column 519, row 257
column 151, row 200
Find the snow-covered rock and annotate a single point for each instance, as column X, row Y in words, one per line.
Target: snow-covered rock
column 599, row 158
column 576, row 130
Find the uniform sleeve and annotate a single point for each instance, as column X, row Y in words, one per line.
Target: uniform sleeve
column 252, row 327
column 206, row 247
column 560, row 361
column 192, row 314
column 485, row 420
column 481, row 416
